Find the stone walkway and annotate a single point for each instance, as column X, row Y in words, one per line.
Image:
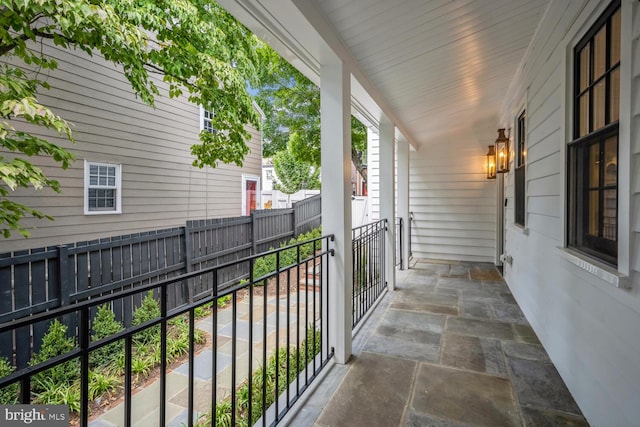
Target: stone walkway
column 145, row 401
column 449, row 348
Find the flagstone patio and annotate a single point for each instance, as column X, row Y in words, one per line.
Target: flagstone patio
column 448, row 348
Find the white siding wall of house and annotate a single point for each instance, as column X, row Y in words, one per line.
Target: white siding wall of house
column 373, row 175
column 160, row 187
column 453, row 204
column 588, row 326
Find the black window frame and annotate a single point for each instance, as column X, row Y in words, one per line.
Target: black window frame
column 578, row 154
column 520, row 170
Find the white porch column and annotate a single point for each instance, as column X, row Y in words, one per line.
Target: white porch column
column 335, row 134
column 387, row 195
column 403, row 196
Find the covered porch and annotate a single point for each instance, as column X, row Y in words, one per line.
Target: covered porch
column 449, row 347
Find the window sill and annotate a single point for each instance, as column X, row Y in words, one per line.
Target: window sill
column 102, row 212
column 604, row 272
column 520, row 228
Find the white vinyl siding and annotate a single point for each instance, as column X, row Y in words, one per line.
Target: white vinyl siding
column 453, row 204
column 373, row 175
column 160, row 187
column 588, row 326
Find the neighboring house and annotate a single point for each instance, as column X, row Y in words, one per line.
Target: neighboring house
column 274, row 199
column 134, row 168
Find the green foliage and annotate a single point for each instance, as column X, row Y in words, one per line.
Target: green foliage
column 291, row 103
column 267, row 264
column 8, row 394
column 223, row 301
column 200, row 51
column 54, row 343
column 101, row 382
column 276, row 365
column 59, row 393
column 294, row 175
column 105, row 325
column 148, row 310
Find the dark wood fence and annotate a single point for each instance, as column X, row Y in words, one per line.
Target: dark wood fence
column 37, row 280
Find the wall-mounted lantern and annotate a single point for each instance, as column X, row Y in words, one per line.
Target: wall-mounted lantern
column 502, row 152
column 491, row 163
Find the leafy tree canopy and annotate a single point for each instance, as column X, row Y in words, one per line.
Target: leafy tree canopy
column 196, row 46
column 291, row 103
column 294, row 175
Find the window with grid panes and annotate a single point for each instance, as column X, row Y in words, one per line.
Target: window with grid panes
column 102, row 182
column 593, row 153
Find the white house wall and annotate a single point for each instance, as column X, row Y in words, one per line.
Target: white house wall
column 588, row 326
column 373, row 175
column 453, row 203
column 160, row 186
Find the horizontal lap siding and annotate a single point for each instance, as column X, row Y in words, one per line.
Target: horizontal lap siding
column 160, row 186
column 373, row 175
column 453, row 203
column 589, row 327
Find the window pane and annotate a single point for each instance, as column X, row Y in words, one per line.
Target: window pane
column 593, row 212
column 609, row 220
column 93, row 180
column 599, row 53
column 599, row 104
column 93, row 169
column 594, row 166
column 615, row 38
column 584, row 67
column 584, row 115
column 614, row 96
column 111, row 181
column 611, row 161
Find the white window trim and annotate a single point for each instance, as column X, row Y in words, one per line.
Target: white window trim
column 615, row 276
column 202, row 110
column 246, row 178
column 118, row 209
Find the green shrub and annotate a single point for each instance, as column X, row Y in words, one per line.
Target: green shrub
column 57, row 393
column 8, row 394
column 101, row 383
column 148, row 310
column 267, row 264
column 223, row 301
column 54, row 343
column 105, row 325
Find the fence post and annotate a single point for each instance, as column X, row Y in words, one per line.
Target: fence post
column 254, row 234
column 188, row 256
column 295, row 219
column 65, row 286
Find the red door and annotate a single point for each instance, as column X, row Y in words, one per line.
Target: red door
column 250, row 196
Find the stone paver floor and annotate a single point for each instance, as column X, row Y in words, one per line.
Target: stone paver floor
column 449, row 348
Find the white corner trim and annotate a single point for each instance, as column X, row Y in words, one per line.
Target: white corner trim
column 602, row 271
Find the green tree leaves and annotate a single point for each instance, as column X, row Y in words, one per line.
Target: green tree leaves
column 293, row 174
column 199, row 50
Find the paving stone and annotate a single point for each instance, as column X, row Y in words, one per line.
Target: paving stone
column 408, row 319
column 388, row 384
column 526, row 334
column 408, row 334
column 480, row 328
column 479, row 272
column 424, row 307
column 473, row 353
column 421, row 420
column 506, row 297
column 509, row 313
column 432, row 267
column 201, row 396
column 538, row 418
column 539, row 384
column 447, row 291
column 202, row 365
column 525, row 351
column 476, row 309
column 398, row 347
column 481, row 295
column 464, row 397
column 497, row 286
column 446, row 282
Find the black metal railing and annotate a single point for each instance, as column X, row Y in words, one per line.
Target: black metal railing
column 268, row 343
column 399, row 243
column 368, row 246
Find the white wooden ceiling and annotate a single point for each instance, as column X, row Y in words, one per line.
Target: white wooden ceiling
column 429, row 64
